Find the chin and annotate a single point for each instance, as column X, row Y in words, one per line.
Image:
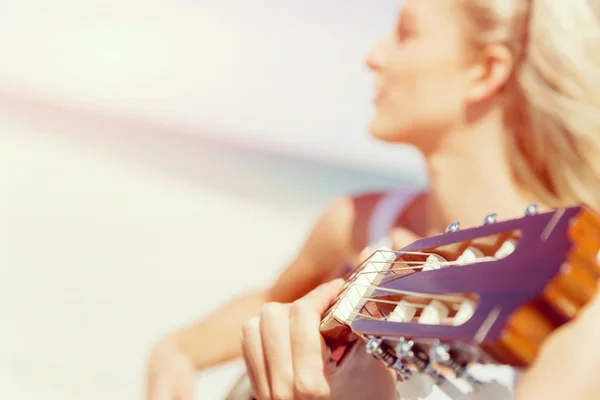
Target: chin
column 388, row 132
column 422, row 138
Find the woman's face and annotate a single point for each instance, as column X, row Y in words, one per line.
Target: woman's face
column 420, row 74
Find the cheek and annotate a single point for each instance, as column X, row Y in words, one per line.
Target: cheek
column 426, row 83
column 438, row 94
column 422, row 94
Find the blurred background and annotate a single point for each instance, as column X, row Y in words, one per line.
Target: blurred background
column 158, row 158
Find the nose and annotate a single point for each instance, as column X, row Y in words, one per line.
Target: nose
column 377, row 55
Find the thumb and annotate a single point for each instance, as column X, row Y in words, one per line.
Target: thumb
column 366, row 253
column 403, row 237
column 320, row 298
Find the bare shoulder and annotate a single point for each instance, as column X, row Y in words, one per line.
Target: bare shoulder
column 338, row 237
column 343, row 226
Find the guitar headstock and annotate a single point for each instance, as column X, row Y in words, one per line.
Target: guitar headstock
column 489, row 294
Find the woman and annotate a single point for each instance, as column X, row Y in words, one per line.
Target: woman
column 499, row 95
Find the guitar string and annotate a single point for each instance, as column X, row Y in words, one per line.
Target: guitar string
column 417, row 265
column 353, row 282
column 412, row 266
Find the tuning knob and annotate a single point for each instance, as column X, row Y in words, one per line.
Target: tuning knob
column 453, row 227
column 374, row 346
column 376, row 349
column 440, row 354
column 532, row 210
column 489, row 219
column 404, row 348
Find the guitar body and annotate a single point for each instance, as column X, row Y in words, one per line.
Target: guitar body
column 485, row 298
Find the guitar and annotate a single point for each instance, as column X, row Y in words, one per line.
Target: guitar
column 488, row 295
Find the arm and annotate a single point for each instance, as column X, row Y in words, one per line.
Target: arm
column 216, row 338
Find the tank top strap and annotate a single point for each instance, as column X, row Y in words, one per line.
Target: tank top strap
column 385, row 214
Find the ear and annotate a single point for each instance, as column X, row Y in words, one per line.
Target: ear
column 489, row 72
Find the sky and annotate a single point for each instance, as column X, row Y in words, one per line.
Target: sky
column 284, row 74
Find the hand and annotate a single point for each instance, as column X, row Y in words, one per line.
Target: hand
column 171, row 374
column 286, row 356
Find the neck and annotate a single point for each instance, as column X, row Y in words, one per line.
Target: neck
column 470, row 178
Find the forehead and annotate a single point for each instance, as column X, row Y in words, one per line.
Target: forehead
column 431, row 12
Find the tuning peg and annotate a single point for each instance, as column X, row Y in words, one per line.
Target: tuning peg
column 489, row 219
column 407, row 350
column 374, row 346
column 532, row 210
column 404, row 348
column 402, row 372
column 453, row 227
column 376, row 349
column 440, row 354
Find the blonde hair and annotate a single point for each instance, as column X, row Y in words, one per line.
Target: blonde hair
column 554, row 94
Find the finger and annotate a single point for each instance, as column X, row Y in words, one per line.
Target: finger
column 186, row 388
column 159, row 391
column 275, row 334
column 308, row 347
column 403, row 237
column 366, row 253
column 254, row 358
column 320, row 298
column 251, row 378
